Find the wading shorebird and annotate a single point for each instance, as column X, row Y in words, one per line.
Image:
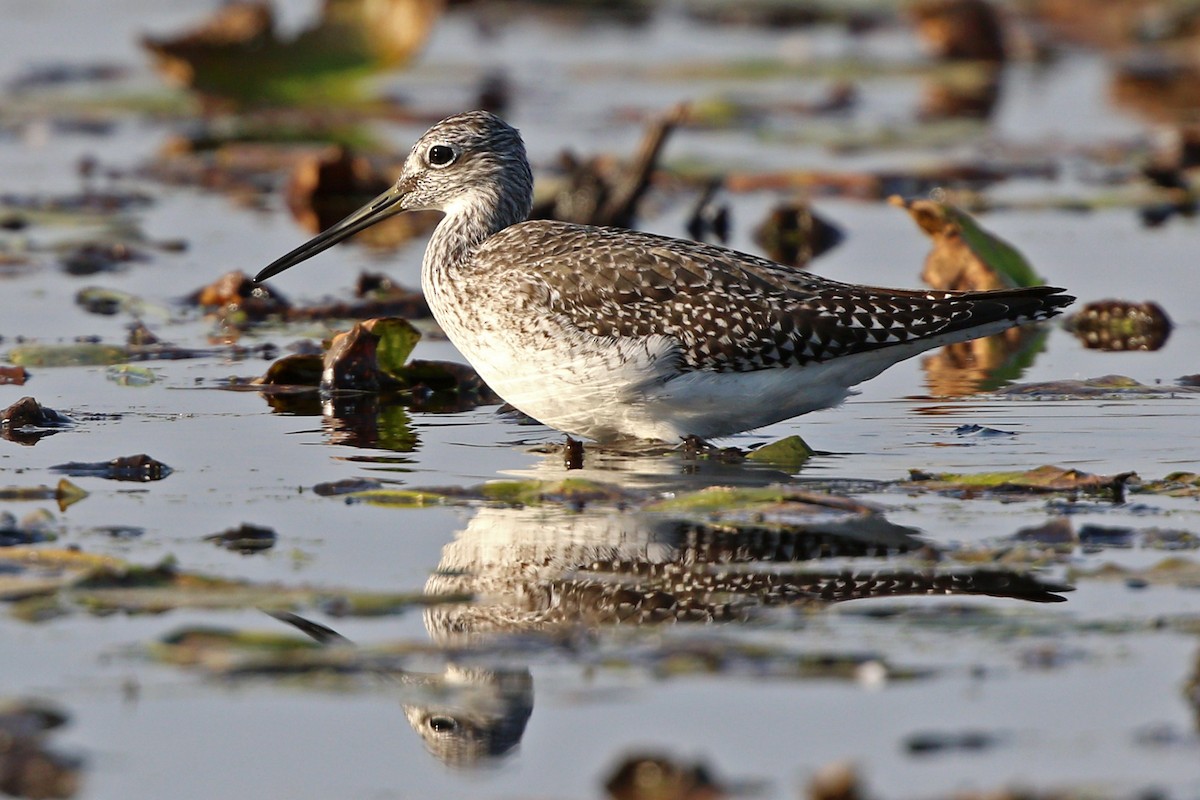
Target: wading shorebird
column 608, row 333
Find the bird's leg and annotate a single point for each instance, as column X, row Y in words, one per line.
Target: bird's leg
column 694, row 448
column 573, row 453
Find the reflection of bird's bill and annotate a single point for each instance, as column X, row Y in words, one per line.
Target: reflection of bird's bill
column 465, row 715
column 314, row 630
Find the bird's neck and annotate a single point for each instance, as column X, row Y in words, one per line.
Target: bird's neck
column 469, row 221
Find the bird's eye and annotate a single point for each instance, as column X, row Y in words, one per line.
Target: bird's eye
column 440, row 155
column 442, row 724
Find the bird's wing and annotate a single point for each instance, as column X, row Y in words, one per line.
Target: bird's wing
column 729, row 311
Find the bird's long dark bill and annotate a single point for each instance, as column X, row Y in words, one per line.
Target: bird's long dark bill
column 380, row 208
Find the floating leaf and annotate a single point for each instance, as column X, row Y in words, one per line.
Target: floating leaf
column 66, row 493
column 397, row 338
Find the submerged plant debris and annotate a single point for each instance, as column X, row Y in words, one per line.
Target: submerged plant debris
column 322, row 64
column 42, row 584
column 1120, row 325
column 27, row 421
column 29, row 765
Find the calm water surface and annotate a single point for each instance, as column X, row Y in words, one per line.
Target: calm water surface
column 1077, row 717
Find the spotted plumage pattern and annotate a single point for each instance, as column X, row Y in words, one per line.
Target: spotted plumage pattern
column 530, row 571
column 730, row 311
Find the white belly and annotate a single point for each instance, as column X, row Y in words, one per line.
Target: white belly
column 605, row 389
column 631, row 388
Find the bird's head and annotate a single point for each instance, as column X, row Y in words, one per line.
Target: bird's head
column 468, row 164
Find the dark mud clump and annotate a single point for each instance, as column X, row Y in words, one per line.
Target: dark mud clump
column 27, row 421
column 141, row 468
column 245, row 539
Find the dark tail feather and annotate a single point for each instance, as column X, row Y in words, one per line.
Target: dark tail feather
column 1019, row 305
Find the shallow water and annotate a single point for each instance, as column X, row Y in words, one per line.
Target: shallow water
column 1069, row 704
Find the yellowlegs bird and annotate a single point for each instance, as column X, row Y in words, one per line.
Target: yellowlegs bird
column 609, row 333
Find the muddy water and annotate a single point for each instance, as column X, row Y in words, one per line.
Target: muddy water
column 1083, row 693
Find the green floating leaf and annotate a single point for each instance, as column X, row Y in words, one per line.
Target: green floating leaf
column 397, row 338
column 790, row 452
column 720, row 498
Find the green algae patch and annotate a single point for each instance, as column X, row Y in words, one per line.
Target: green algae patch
column 720, row 656
column 572, row 491
column 384, row 604
column 67, row 355
column 401, row 498
column 44, row 583
column 1175, row 484
column 1102, row 388
column 720, row 498
column 1170, row 571
column 188, row 645
column 131, row 375
column 790, row 452
column 1044, row 479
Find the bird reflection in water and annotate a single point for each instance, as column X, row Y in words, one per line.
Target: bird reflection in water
column 550, row 571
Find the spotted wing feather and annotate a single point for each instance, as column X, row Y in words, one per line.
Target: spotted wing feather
column 731, row 312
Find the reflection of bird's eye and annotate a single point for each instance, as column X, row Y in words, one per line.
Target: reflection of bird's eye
column 442, row 724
